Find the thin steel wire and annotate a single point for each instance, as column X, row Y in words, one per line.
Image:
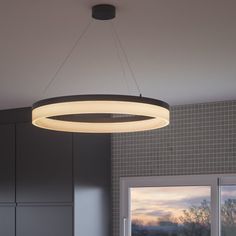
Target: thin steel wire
column 120, row 59
column 54, row 77
column 126, row 58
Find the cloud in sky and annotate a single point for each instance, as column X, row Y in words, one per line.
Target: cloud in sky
column 149, row 212
column 159, row 213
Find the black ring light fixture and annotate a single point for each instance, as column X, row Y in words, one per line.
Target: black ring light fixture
column 87, row 113
column 100, row 113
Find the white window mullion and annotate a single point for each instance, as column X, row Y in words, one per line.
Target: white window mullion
column 215, row 208
column 124, row 208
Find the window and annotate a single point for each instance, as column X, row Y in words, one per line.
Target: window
column 228, row 207
column 167, row 210
column 178, row 206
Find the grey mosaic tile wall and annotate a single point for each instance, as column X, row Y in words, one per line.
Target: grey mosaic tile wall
column 200, row 140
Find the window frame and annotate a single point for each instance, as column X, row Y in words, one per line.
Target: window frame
column 213, row 181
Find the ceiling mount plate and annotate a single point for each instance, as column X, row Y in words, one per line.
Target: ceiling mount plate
column 103, row 12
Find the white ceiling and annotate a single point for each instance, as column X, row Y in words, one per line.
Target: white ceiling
column 181, row 51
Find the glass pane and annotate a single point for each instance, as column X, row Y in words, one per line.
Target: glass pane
column 228, row 210
column 170, row 211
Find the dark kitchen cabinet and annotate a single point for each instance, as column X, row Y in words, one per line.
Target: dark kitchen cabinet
column 52, row 183
column 7, row 221
column 92, row 165
column 44, row 165
column 44, row 221
column 7, row 163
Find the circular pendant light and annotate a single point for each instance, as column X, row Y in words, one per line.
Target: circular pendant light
column 100, row 113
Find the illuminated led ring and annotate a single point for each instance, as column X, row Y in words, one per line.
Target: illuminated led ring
column 140, row 113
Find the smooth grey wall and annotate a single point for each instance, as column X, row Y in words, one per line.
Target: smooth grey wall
column 201, row 139
column 92, row 184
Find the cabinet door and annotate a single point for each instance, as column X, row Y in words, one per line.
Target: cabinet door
column 92, row 166
column 44, row 221
column 7, row 163
column 44, row 165
column 7, row 221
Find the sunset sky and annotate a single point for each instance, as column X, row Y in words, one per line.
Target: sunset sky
column 228, row 192
column 152, row 203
